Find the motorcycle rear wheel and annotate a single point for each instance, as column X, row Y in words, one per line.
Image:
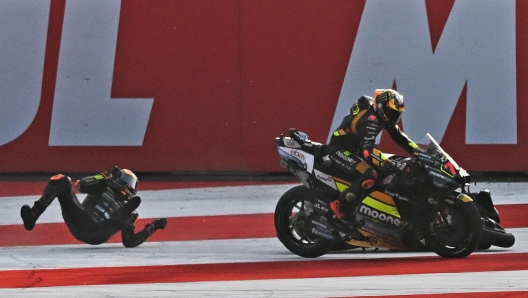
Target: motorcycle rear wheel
column 290, row 214
column 460, row 234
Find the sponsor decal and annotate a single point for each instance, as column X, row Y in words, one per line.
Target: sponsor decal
column 449, row 168
column 325, row 178
column 291, row 143
column 343, row 156
column 346, row 166
column 298, row 154
column 376, row 214
column 384, row 232
column 373, row 240
column 303, row 159
column 323, row 233
column 396, row 195
column 433, row 172
column 449, row 201
column 321, row 207
column 319, row 224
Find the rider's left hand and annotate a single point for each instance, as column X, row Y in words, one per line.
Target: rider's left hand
column 402, row 167
column 389, row 164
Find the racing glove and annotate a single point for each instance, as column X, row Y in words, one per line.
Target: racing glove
column 388, row 164
column 397, row 166
column 419, row 150
column 157, row 224
column 115, row 172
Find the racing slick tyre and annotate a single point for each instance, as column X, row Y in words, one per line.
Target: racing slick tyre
column 455, row 232
column 291, row 214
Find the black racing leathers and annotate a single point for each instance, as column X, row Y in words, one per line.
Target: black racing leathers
column 103, row 213
column 352, row 145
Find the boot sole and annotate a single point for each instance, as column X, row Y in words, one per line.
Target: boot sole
column 27, row 217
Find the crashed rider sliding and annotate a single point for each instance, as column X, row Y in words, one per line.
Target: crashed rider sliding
column 108, row 208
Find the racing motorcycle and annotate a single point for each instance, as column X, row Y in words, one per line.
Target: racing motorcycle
column 416, row 205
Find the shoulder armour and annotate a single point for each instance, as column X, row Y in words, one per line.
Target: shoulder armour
column 362, row 103
column 365, row 101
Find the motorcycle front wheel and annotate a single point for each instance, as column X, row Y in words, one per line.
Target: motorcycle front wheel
column 291, row 213
column 455, row 231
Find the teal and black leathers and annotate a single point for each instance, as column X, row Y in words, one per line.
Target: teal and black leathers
column 103, row 213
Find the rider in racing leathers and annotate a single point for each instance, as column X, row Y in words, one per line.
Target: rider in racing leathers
column 352, row 145
column 108, row 208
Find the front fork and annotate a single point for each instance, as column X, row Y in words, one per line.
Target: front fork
column 443, row 218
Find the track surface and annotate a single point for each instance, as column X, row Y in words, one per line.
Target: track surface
column 220, row 242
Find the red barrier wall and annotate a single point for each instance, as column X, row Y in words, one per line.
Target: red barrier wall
column 227, row 77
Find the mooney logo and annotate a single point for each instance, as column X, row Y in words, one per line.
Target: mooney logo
column 477, row 47
column 379, row 215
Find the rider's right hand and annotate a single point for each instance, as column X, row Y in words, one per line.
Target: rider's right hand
column 115, row 172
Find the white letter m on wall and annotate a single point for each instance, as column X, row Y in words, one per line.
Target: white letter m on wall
column 477, row 47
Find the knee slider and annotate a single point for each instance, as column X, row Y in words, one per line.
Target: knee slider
column 369, row 180
column 58, row 184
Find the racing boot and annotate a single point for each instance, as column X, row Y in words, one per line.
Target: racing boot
column 31, row 214
column 343, row 209
column 335, row 206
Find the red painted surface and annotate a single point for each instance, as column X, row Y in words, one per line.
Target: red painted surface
column 178, row 229
column 259, row 270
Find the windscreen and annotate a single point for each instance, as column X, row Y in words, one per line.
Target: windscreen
column 439, row 153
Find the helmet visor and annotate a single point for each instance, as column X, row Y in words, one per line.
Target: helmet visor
column 130, row 179
column 392, row 116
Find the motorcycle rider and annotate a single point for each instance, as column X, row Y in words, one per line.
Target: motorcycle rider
column 108, row 208
column 352, row 146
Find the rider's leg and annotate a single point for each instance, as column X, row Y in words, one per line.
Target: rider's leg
column 348, row 200
column 57, row 185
